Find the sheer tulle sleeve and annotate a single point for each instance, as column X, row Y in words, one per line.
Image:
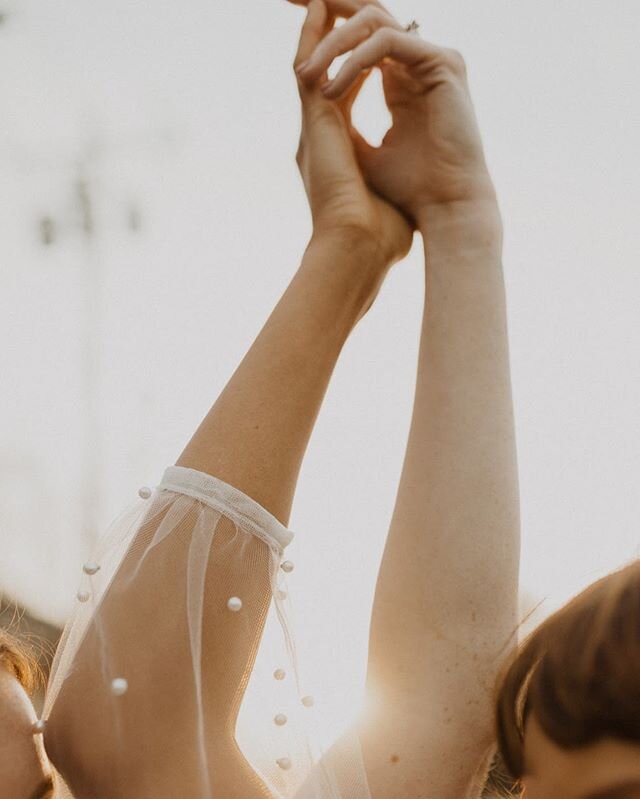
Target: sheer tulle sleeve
column 177, row 674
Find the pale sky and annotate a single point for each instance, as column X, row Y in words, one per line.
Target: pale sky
column 189, row 112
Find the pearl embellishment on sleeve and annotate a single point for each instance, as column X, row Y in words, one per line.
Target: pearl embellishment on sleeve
column 279, row 674
column 287, row 566
column 280, row 719
column 144, row 492
column 234, row 604
column 119, row 686
column 284, row 763
column 91, row 568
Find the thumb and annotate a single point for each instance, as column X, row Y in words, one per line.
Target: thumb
column 366, row 155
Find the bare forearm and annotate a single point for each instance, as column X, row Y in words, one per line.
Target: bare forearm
column 255, row 435
column 447, row 587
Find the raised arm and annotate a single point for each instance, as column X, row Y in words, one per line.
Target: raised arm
column 253, row 439
column 446, row 596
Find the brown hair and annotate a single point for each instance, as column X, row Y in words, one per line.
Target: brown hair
column 579, row 671
column 17, row 657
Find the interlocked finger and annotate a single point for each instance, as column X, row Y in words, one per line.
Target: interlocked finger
column 317, row 24
column 345, row 38
column 386, row 42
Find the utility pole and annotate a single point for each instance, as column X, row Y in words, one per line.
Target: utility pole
column 91, row 338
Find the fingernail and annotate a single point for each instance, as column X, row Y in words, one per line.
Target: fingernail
column 303, row 66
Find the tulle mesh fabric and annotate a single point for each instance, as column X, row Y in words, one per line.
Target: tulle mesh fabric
column 160, row 689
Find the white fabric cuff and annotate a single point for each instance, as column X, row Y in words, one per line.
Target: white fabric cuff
column 221, row 496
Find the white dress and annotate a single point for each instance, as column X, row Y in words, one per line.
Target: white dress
column 176, row 675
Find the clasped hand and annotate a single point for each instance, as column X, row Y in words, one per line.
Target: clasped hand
column 431, row 156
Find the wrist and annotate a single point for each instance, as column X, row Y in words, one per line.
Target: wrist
column 355, row 245
column 461, row 225
column 349, row 261
column 354, row 255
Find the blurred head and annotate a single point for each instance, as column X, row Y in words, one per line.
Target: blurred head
column 24, row 769
column 568, row 702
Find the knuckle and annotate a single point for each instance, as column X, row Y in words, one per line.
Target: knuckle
column 373, row 17
column 455, row 61
column 385, row 37
column 377, row 35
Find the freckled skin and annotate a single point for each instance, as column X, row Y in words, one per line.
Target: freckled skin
column 23, row 762
column 576, row 773
column 394, row 758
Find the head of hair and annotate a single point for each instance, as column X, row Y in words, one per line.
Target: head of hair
column 17, row 658
column 578, row 672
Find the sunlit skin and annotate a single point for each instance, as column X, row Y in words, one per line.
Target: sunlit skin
column 25, row 769
column 283, row 411
column 609, row 769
